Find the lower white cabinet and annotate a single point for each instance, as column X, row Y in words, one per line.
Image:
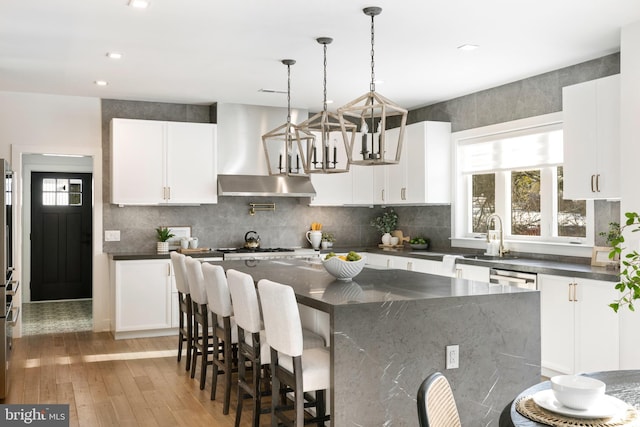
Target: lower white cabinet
column 580, row 333
column 144, row 299
column 472, row 272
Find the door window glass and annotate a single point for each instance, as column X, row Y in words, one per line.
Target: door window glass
column 61, row 192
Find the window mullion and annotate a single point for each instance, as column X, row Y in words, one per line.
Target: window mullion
column 503, row 200
column 548, row 202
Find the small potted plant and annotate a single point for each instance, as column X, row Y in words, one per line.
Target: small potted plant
column 385, row 224
column 327, row 240
column 163, row 235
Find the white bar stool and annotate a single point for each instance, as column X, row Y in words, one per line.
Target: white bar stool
column 300, row 370
column 201, row 325
column 225, row 332
column 185, row 321
column 252, row 342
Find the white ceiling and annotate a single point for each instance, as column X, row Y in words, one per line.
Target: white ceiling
column 205, row 51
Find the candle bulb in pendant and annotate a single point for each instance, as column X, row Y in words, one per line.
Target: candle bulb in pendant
column 314, row 155
column 297, row 162
column 335, row 155
column 280, row 163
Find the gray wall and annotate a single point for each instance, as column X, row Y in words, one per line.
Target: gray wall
column 224, row 224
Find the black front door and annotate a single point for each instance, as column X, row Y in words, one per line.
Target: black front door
column 61, row 260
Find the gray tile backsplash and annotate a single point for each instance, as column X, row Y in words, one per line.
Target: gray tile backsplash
column 224, row 224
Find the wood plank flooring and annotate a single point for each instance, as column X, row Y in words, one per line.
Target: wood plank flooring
column 135, row 382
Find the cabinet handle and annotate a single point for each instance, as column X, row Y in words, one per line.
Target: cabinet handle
column 598, row 183
column 168, row 193
column 592, row 186
column 169, row 270
column 575, row 292
column 410, row 266
column 403, row 193
column 570, row 289
column 383, row 195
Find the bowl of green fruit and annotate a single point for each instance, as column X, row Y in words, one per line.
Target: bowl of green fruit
column 344, row 267
column 419, row 243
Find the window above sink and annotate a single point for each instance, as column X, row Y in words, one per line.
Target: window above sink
column 515, row 169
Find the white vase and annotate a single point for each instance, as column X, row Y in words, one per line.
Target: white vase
column 163, row 247
column 395, row 240
column 386, row 239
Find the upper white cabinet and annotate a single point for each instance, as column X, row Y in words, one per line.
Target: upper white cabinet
column 578, row 328
column 423, row 174
column 156, row 162
column 332, row 189
column 591, row 113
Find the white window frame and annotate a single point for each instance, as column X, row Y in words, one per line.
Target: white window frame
column 461, row 237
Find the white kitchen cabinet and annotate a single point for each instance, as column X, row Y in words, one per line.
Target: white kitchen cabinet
column 405, row 263
column 579, row 332
column 472, row 272
column 424, row 265
column 380, row 260
column 362, row 184
column 332, row 189
column 423, row 173
column 591, row 114
column 156, row 162
column 143, row 291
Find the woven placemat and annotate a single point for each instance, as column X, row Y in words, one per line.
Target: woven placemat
column 528, row 408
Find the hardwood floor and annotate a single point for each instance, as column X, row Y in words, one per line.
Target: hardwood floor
column 134, row 382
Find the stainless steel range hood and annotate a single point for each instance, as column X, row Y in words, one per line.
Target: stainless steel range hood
column 265, row 185
column 242, row 164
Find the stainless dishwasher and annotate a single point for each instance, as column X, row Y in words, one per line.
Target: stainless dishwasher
column 513, row 278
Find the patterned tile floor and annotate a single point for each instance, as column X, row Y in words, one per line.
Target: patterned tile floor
column 56, row 316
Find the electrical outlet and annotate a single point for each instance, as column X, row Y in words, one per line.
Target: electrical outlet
column 112, row 235
column 453, row 357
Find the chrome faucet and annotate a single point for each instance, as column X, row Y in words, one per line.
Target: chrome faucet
column 501, row 249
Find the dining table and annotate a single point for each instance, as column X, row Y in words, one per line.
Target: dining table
column 621, row 384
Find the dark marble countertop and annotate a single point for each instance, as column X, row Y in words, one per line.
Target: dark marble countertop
column 132, row 256
column 525, row 264
column 317, row 288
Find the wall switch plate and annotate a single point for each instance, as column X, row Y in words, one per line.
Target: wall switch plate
column 453, row 357
column 112, row 235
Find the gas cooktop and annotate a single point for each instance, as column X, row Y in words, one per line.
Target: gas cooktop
column 266, row 253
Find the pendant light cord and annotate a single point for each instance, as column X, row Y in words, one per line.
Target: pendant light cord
column 288, row 94
column 372, row 87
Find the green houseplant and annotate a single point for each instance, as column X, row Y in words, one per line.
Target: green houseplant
column 163, row 234
column 385, row 224
column 629, row 279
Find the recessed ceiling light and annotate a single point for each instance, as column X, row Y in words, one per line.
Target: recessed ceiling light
column 114, row 55
column 139, row 4
column 273, row 91
column 101, row 83
column 468, row 47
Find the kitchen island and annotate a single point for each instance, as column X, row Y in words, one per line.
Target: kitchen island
column 388, row 330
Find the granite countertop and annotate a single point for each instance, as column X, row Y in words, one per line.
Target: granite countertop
column 519, row 263
column 132, row 256
column 315, row 287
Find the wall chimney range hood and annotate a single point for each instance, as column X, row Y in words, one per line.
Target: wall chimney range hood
column 265, row 185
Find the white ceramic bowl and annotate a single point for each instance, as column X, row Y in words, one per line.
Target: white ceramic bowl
column 577, row 391
column 343, row 270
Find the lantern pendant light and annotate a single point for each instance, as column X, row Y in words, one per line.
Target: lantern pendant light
column 286, row 142
column 371, row 112
column 323, row 153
